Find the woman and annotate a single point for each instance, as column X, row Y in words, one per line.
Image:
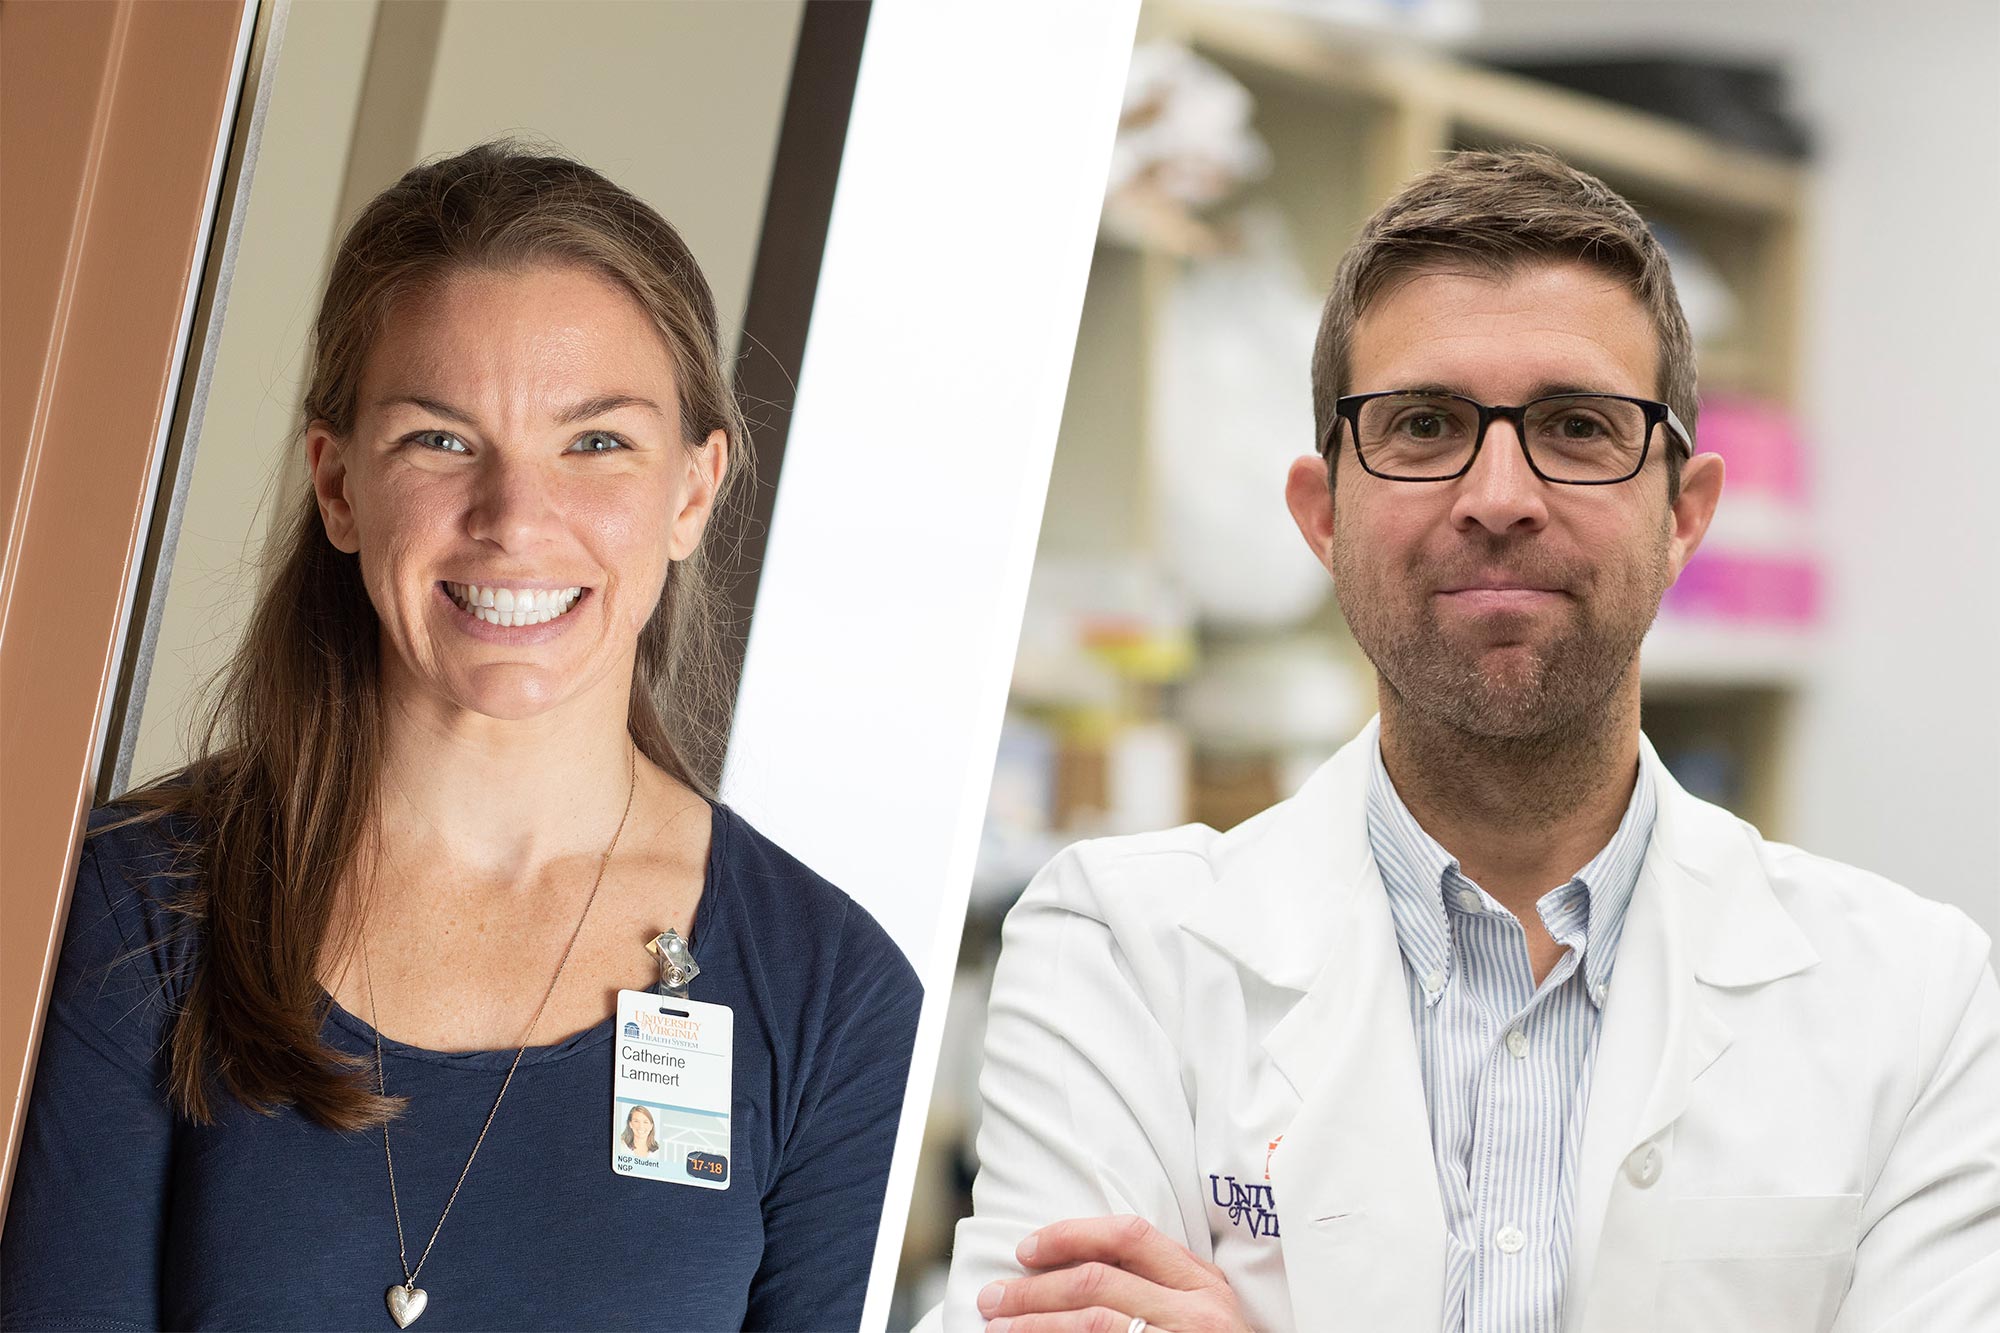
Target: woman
column 350, row 978
column 638, row 1135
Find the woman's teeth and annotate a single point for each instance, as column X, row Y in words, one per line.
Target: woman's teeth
column 513, row 606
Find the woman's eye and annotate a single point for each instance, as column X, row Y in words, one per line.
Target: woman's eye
column 452, row 444
column 597, row 442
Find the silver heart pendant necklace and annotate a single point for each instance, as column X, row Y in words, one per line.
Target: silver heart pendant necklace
column 406, row 1304
column 407, row 1300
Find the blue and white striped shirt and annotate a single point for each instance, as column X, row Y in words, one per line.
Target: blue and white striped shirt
column 1506, row 1065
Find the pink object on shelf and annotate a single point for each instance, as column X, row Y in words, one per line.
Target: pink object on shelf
column 1769, row 589
column 1759, row 443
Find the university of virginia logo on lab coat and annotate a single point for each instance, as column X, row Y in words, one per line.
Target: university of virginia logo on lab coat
column 1247, row 1205
column 1252, row 1206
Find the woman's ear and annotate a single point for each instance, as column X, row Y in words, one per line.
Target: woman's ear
column 327, row 467
column 706, row 467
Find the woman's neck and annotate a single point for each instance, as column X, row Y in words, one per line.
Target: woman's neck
column 500, row 798
column 489, row 870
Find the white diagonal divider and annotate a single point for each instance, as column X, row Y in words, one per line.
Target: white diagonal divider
column 911, row 494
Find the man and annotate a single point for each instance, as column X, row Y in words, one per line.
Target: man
column 1491, row 1026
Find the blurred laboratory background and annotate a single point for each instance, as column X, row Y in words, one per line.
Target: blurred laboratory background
column 1822, row 175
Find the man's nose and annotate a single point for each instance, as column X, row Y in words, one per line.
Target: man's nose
column 1501, row 492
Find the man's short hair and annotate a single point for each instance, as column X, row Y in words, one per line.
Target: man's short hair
column 1499, row 211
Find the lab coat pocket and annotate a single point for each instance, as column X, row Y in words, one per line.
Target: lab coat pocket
column 1768, row 1263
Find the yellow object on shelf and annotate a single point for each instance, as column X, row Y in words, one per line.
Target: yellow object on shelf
column 1147, row 655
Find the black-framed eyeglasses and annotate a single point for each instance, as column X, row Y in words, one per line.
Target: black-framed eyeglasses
column 1573, row 439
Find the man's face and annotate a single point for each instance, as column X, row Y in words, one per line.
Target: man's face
column 1499, row 604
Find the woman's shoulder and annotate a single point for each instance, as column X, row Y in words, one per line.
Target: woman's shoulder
column 139, row 841
column 792, row 909
column 137, row 860
column 125, row 941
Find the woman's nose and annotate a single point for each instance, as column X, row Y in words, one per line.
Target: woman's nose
column 511, row 504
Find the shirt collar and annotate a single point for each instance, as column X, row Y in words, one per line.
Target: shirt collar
column 1418, row 872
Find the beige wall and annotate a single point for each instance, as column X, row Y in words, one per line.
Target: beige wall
column 287, row 234
column 679, row 102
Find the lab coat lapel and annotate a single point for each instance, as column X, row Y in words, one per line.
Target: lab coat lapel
column 1701, row 920
column 1353, row 1179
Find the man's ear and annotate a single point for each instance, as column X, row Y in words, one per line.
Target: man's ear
column 706, row 467
column 1309, row 495
column 1701, row 489
column 327, row 466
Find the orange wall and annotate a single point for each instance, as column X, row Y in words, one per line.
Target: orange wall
column 110, row 116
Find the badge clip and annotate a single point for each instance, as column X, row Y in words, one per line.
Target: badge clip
column 677, row 964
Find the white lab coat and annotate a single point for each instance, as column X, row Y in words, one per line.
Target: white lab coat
column 1794, row 1122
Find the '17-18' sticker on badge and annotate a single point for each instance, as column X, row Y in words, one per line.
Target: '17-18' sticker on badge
column 670, row 1090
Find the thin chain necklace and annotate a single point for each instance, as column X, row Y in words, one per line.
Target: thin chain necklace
column 406, row 1299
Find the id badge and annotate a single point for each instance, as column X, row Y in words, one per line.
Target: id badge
column 670, row 1088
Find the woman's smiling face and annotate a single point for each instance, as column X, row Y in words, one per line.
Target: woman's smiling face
column 517, row 444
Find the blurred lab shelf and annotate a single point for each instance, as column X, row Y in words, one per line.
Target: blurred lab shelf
column 1424, row 92
column 1680, row 655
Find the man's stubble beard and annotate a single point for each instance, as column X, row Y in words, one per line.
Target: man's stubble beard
column 1556, row 696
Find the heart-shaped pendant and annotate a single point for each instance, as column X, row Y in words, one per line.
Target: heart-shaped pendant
column 406, row 1304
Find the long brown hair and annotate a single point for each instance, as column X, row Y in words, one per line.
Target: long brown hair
column 279, row 799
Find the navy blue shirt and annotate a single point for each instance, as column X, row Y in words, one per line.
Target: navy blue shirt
column 126, row 1215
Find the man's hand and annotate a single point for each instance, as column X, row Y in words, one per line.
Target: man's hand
column 1098, row 1274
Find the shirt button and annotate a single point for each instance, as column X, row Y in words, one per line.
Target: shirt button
column 1599, row 991
column 1510, row 1240
column 1434, row 981
column 1517, row 1044
column 1469, row 900
column 1642, row 1168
